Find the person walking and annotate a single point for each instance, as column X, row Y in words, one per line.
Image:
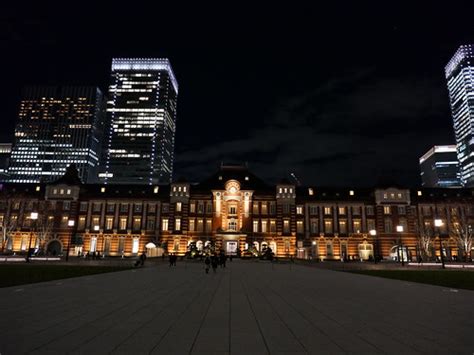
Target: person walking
column 171, row 259
column 142, row 259
column 175, row 258
column 223, row 260
column 207, row 262
column 214, row 262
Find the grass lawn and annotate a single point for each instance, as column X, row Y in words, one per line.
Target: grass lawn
column 11, row 275
column 447, row 278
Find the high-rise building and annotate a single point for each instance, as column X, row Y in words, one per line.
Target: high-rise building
column 56, row 127
column 142, row 122
column 5, row 151
column 460, row 77
column 439, row 167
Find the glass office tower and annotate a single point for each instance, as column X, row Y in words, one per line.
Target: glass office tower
column 439, row 167
column 142, row 122
column 56, row 127
column 460, row 77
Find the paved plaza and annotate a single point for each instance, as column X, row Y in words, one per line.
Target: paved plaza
column 247, row 308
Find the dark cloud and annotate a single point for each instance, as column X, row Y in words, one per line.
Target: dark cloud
column 354, row 129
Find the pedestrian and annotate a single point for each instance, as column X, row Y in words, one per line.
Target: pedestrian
column 175, row 258
column 420, row 259
column 230, row 257
column 223, row 260
column 171, row 260
column 142, row 259
column 214, row 262
column 207, row 262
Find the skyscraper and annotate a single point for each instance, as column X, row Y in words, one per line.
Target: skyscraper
column 142, row 122
column 460, row 76
column 5, row 152
column 56, row 127
column 440, row 167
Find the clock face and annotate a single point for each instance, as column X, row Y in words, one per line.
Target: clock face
column 232, row 186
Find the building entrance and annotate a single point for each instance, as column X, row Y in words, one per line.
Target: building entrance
column 231, row 247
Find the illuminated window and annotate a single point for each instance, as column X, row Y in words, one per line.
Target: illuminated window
column 192, row 224
column 177, row 224
column 299, row 227
column 109, row 221
column 137, row 222
column 286, row 226
column 351, row 193
column 327, row 210
column 123, row 223
column 164, row 224
column 272, row 226
column 342, row 227
column 356, row 225
column 299, row 209
column 328, row 226
column 310, row 192
column 255, row 226
column 342, row 210
column 264, row 226
column 387, row 210
column 208, row 225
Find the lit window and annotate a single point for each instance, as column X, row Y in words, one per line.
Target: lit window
column 164, row 224
column 299, row 209
column 419, row 193
column 102, row 189
column 178, row 206
column 386, row 210
column 351, row 193
column 310, row 192
column 38, row 188
column 177, row 224
column 155, row 190
column 255, row 226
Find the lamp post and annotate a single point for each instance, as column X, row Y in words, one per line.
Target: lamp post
column 96, row 229
column 400, row 230
column 438, row 224
column 33, row 217
column 70, row 224
column 373, row 233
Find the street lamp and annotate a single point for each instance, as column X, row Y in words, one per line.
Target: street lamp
column 33, row 217
column 400, row 230
column 438, row 224
column 373, row 233
column 70, row 223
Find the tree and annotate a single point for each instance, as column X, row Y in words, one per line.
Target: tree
column 43, row 228
column 462, row 231
column 7, row 227
column 425, row 237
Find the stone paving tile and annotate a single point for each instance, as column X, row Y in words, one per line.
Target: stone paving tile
column 246, row 308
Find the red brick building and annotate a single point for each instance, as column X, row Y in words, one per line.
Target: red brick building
column 235, row 211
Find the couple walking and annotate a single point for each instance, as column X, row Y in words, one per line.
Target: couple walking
column 211, row 261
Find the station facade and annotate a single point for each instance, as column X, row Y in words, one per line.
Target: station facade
column 235, row 211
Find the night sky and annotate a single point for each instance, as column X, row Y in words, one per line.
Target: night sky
column 347, row 94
